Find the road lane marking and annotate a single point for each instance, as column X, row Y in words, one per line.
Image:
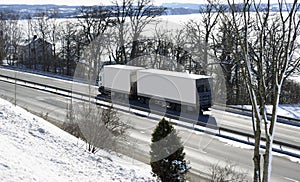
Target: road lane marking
column 290, row 179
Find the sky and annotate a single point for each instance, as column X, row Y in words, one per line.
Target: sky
column 86, row 2
column 104, row 2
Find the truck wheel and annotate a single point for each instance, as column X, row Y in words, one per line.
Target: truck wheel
column 101, row 89
column 172, row 106
column 200, row 111
column 147, row 101
column 142, row 100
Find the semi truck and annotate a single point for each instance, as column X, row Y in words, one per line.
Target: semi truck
column 179, row 91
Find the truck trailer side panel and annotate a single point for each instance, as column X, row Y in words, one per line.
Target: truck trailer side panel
column 119, row 78
column 174, row 86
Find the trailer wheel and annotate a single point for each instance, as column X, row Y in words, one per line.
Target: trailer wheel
column 206, row 109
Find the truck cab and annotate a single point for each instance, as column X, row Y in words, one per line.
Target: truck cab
column 204, row 93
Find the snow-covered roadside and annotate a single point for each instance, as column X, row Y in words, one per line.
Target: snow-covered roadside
column 295, row 78
column 31, row 149
column 292, row 111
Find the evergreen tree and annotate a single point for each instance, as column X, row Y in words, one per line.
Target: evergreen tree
column 167, row 156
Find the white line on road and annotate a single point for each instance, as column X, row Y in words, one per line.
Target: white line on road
column 290, row 179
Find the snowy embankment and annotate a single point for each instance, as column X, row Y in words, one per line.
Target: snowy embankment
column 292, row 111
column 31, row 149
column 295, row 78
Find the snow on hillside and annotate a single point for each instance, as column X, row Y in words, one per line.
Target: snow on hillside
column 31, row 149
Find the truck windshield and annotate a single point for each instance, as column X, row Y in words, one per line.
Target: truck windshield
column 203, row 88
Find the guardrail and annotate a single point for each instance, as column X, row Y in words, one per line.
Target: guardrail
column 220, row 129
column 280, row 119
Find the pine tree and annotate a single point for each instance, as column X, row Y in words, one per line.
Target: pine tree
column 167, row 156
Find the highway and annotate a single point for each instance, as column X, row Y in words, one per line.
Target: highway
column 63, row 84
column 240, row 123
column 286, row 133
column 201, row 149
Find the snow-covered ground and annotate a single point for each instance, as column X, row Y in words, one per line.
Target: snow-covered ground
column 296, row 78
column 286, row 110
column 31, row 149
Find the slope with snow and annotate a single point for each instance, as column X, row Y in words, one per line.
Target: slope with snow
column 287, row 110
column 31, row 149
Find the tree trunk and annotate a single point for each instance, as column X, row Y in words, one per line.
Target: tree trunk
column 270, row 137
column 256, row 153
column 268, row 159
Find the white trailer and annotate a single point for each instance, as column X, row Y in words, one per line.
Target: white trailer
column 118, row 79
column 176, row 88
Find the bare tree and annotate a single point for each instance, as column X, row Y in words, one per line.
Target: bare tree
column 268, row 45
column 111, row 119
column 10, row 35
column 14, row 36
column 3, row 35
column 53, row 36
column 121, row 30
column 99, row 127
column 93, row 25
column 200, row 32
column 42, row 30
column 141, row 13
column 172, row 45
column 227, row 172
column 290, row 92
column 132, row 15
column 30, row 60
column 69, row 47
column 227, row 54
column 93, row 22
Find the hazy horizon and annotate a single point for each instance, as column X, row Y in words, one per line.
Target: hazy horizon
column 106, row 2
column 88, row 2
